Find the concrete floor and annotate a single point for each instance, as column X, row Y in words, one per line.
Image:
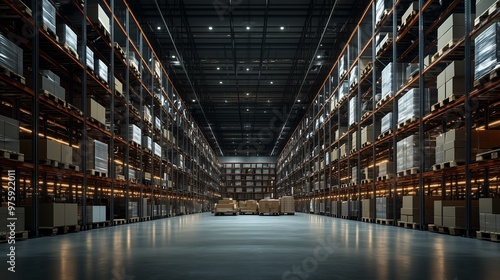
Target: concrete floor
column 302, row 247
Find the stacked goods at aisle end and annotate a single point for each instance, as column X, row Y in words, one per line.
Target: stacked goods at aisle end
column 410, row 212
column 226, row 205
column 287, row 205
column 269, row 206
column 249, row 206
column 489, row 215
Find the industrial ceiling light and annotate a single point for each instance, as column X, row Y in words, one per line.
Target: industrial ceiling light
column 282, row 28
column 298, row 100
column 272, row 82
column 218, row 68
column 248, row 27
column 248, row 93
column 173, row 56
column 319, row 56
column 248, row 69
column 220, row 82
column 210, row 28
column 194, row 100
column 248, row 109
column 159, row 27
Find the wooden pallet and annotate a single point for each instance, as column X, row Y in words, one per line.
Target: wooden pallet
column 367, row 220
column 74, row 109
column 54, row 98
column 103, row 30
column 94, row 172
column 366, row 115
column 442, row 51
column 353, row 151
column 71, row 51
column 354, row 84
column 133, row 220
column 50, row 32
column 269, row 214
column 119, row 49
column 366, row 181
column 51, row 231
column 443, row 103
column 433, row 228
column 384, row 47
column 407, row 20
column 382, row 18
column 383, row 100
column 344, row 217
column 287, row 213
column 96, row 122
column 493, row 154
column 98, row 225
column 411, row 225
column 408, row 172
column 69, row 166
column 384, row 134
column 120, row 177
column 488, row 14
column 16, row 77
column 407, row 122
column 50, row 162
column 455, row 231
column 21, row 6
column 119, row 222
column 492, row 76
column 146, row 218
column 366, row 70
column 366, row 144
column 384, row 221
column 385, row 177
column 11, row 155
column 485, row 235
column 18, row 236
column 446, row 165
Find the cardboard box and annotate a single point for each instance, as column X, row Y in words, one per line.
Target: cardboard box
column 455, row 87
column 118, row 86
column 367, row 134
column 412, row 8
column 483, row 5
column 489, row 205
column 441, row 93
column 454, row 20
column 66, row 154
column 70, row 214
column 51, row 215
column 47, row 149
column 404, row 218
column 454, row 154
column 97, row 15
column 438, row 220
column 454, row 222
column 490, row 222
column 453, row 211
column 410, row 211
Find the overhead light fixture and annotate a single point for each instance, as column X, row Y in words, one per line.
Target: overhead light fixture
column 282, row 28
column 220, row 82
column 268, row 101
column 248, row 109
column 248, row 27
column 248, row 93
column 225, row 101
column 194, row 100
column 210, row 28
column 298, row 100
column 272, row 82
column 173, row 56
column 248, row 69
column 218, row 68
column 159, row 27
column 319, row 56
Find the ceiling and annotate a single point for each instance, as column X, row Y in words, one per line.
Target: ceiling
column 248, row 70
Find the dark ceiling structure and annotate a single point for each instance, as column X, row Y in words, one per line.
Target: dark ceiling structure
column 248, row 69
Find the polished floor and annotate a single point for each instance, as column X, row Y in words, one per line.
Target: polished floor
column 302, row 247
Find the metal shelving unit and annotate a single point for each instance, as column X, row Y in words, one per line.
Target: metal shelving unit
column 180, row 178
column 318, row 159
column 248, row 180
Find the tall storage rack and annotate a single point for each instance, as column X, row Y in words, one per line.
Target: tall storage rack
column 334, row 157
column 248, row 181
column 158, row 162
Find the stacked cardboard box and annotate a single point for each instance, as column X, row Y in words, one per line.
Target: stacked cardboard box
column 408, row 153
column 367, row 134
column 98, row 16
column 452, row 29
column 336, row 208
column 368, row 208
column 409, row 104
column 269, row 205
column 411, row 9
column 341, row 130
column 147, row 115
column 58, row 214
column 355, row 208
column 385, row 168
column 454, row 216
column 95, row 110
column 451, row 81
column 483, row 5
column 248, row 206
column 410, row 212
column 52, row 84
column 343, row 90
column 354, row 138
column 287, row 204
column 343, row 150
column 450, row 146
column 47, row 149
column 118, row 86
column 11, row 55
column 226, row 205
column 489, row 214
column 9, row 134
column 487, row 50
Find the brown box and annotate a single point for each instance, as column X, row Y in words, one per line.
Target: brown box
column 70, row 214
column 52, row 215
column 454, row 222
column 489, row 205
column 98, row 16
column 47, row 149
column 413, row 7
column 453, row 211
column 118, row 86
column 404, row 218
column 66, row 154
column 410, row 211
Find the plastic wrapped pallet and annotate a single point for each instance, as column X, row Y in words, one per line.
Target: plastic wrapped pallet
column 409, row 153
column 134, row 134
column 380, row 7
column 483, row 5
column 387, row 78
column 353, row 111
column 385, row 168
column 147, row 115
column 157, row 149
column 354, row 210
column 353, row 76
column 287, row 204
column 49, row 15
column 386, row 123
column 11, row 55
column 342, row 65
column 157, row 123
column 354, row 174
column 133, row 62
column 97, row 156
column 409, row 104
column 382, row 40
column 343, row 90
column 367, row 208
column 67, row 36
column 412, row 70
column 89, row 60
column 345, row 208
column 487, row 50
column 384, row 208
column 102, row 69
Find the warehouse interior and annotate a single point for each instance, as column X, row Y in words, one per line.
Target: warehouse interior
column 249, row 139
